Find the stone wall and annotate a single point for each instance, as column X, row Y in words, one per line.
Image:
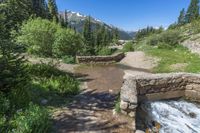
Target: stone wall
column 158, row 87
column 100, row 59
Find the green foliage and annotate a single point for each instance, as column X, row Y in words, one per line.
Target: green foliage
column 33, row 120
column 193, row 11
column 4, row 104
column 115, row 35
column 170, row 56
column 128, row 47
column 45, row 38
column 44, row 70
column 117, row 105
column 63, row 85
column 19, row 98
column 64, row 19
column 146, row 32
column 53, row 79
column 105, row 51
column 69, row 59
column 97, row 37
column 13, row 73
column 40, row 9
column 15, row 12
column 154, row 40
column 67, row 42
column 181, row 18
column 15, row 112
column 170, row 37
column 101, row 36
column 163, row 45
column 195, row 27
column 38, row 35
column 53, row 10
column 88, row 36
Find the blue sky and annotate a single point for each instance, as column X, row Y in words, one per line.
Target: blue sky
column 129, row 15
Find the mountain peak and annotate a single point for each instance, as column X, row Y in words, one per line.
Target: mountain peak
column 77, row 19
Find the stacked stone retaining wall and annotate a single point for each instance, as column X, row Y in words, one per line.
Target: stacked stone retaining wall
column 100, row 59
column 158, row 87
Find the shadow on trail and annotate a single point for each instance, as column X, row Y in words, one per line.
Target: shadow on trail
column 83, row 113
column 96, row 101
column 92, row 110
column 126, row 67
column 82, row 77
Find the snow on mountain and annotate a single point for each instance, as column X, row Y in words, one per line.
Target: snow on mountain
column 77, row 20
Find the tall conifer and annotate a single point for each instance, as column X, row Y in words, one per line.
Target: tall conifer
column 181, row 18
column 53, row 10
column 193, row 11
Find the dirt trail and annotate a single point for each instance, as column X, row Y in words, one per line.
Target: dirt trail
column 92, row 110
column 137, row 63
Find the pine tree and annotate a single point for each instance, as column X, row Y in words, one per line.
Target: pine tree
column 193, row 11
column 53, row 10
column 63, row 19
column 88, row 36
column 115, row 33
column 13, row 72
column 97, row 37
column 40, row 8
column 15, row 12
column 181, row 18
column 66, row 18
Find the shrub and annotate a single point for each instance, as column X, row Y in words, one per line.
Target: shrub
column 128, row 47
column 64, row 85
column 154, row 40
column 4, row 110
column 34, row 119
column 19, row 98
column 13, row 72
column 194, row 27
column 147, row 31
column 67, row 42
column 68, row 59
column 105, row 51
column 117, row 105
column 38, row 35
column 170, row 37
column 55, row 80
column 4, row 104
column 164, row 46
column 44, row 70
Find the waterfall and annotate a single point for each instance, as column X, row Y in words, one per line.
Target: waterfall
column 174, row 116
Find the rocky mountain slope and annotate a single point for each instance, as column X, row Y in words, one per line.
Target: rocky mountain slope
column 77, row 20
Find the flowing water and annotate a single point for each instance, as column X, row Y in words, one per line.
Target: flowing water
column 174, row 116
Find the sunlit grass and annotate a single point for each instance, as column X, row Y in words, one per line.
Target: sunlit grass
column 168, row 57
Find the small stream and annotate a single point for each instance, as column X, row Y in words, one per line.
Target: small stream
column 173, row 116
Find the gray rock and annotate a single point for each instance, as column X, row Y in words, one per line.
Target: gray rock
column 44, row 101
column 129, row 92
column 139, row 131
column 132, row 114
column 123, row 105
column 132, row 106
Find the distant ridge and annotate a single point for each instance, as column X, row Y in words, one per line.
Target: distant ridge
column 77, row 20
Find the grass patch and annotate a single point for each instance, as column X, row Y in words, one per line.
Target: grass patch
column 29, row 110
column 117, row 105
column 52, row 84
column 174, row 55
column 128, row 47
column 69, row 59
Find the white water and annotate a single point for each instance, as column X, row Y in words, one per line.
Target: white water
column 175, row 116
